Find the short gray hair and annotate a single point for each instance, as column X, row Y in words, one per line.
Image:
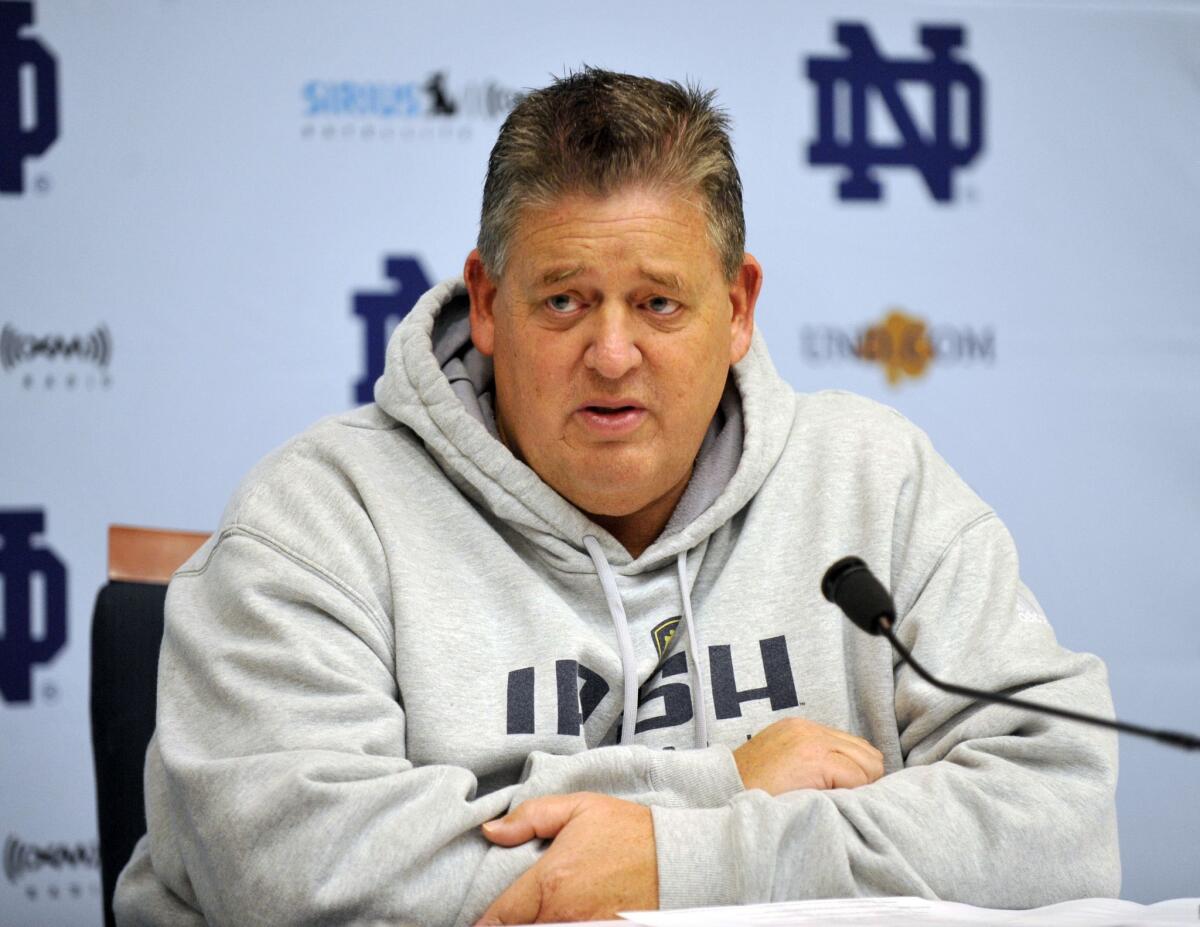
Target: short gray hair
column 596, row 132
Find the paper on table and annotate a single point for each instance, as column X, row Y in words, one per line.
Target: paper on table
column 918, row 912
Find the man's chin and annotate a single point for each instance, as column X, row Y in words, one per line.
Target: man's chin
column 611, row 497
column 601, row 500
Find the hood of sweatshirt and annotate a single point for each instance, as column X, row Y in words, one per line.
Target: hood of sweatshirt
column 438, row 385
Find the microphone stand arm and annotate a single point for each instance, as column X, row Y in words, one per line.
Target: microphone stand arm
column 1174, row 738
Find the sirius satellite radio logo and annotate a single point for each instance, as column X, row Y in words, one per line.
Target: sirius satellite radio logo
column 430, row 107
column 28, row 96
column 946, row 136
column 34, row 616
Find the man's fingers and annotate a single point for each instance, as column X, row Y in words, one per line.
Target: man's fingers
column 862, row 753
column 539, row 817
column 518, row 904
column 849, row 738
column 845, row 772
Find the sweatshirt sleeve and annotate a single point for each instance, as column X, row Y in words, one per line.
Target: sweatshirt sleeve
column 993, row 805
column 278, row 791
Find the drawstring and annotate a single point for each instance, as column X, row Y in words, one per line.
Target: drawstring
column 699, row 708
column 616, row 610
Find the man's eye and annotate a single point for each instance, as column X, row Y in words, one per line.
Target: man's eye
column 563, row 302
column 661, row 305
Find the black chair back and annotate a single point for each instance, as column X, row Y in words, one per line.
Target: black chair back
column 127, row 628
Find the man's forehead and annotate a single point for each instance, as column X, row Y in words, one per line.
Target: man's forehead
column 661, row 235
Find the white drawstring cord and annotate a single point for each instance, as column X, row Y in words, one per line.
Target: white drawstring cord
column 699, row 705
column 616, row 610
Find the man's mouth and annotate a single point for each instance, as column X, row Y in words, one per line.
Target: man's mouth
column 611, row 410
column 611, row 419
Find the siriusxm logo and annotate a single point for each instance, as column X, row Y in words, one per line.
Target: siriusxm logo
column 51, row 360
column 22, row 859
column 17, row 347
column 949, row 138
column 381, row 313
column 432, row 97
column 34, row 618
column 28, row 74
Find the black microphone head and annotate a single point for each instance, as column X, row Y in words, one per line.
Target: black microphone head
column 853, row 588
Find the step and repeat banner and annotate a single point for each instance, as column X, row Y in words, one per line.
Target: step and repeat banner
column 986, row 214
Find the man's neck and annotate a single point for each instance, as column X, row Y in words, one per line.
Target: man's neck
column 639, row 529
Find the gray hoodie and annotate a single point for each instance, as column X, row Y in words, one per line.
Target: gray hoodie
column 400, row 632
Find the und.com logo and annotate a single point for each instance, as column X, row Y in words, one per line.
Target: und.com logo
column 903, row 346
column 951, row 139
column 34, row 581
column 27, row 70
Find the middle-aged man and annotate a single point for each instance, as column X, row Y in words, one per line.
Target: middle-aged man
column 561, row 583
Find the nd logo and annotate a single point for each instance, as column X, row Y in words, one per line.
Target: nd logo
column 34, row 582
column 846, row 85
column 24, row 59
column 381, row 313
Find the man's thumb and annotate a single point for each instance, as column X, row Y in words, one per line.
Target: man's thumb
column 539, row 817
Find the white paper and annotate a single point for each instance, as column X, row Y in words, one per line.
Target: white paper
column 918, row 912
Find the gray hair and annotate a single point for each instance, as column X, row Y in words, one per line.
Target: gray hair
column 596, row 132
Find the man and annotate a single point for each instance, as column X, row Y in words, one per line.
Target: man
column 561, row 583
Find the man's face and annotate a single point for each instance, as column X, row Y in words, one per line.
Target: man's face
column 612, row 330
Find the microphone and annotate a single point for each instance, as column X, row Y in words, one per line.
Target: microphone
column 853, row 588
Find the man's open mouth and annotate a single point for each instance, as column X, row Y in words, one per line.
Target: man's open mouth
column 611, row 419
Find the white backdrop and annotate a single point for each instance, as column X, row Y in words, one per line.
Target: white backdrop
column 223, row 182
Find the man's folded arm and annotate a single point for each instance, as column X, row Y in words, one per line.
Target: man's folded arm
column 995, row 806
column 278, row 789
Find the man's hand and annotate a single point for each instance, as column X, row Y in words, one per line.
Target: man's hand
column 602, row 860
column 796, row 754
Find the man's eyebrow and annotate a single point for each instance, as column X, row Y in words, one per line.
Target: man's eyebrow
column 670, row 281
column 559, row 274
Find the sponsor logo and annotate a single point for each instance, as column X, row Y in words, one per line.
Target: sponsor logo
column 904, row 346
column 34, row 617
column 849, row 135
column 72, row 862
column 55, row 359
column 381, row 313
column 28, row 96
column 430, row 107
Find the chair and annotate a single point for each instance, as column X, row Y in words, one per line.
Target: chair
column 127, row 628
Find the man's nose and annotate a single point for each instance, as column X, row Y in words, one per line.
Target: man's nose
column 612, row 350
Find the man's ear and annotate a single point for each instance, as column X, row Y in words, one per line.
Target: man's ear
column 743, row 294
column 482, row 291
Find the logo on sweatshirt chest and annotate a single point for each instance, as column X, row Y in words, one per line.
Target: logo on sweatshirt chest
column 576, row 692
column 663, row 633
